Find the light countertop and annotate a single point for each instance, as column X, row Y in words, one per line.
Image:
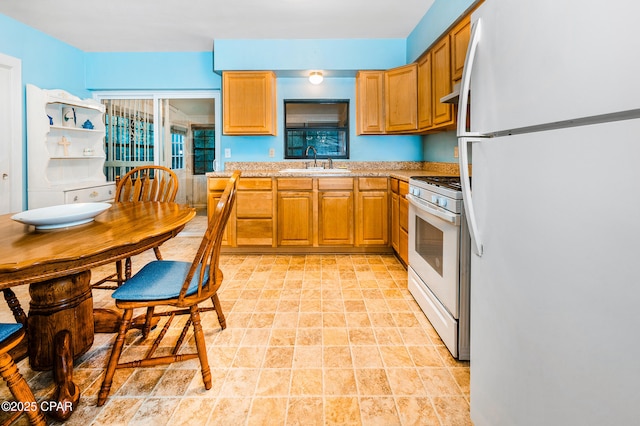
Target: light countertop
column 402, row 170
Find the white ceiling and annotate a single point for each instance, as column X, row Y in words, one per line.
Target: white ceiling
column 193, row 25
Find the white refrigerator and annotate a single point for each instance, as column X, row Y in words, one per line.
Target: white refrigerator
column 553, row 88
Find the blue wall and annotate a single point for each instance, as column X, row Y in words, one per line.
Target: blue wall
column 46, row 62
column 151, row 71
column 50, row 63
column 374, row 148
column 341, row 57
column 440, row 16
column 184, row 71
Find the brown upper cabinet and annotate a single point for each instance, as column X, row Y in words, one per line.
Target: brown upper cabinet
column 401, row 99
column 249, row 103
column 425, row 92
column 459, row 35
column 407, row 99
column 441, row 82
column 370, row 102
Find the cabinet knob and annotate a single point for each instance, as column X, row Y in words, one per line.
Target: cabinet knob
column 75, row 198
column 94, row 194
column 5, row 176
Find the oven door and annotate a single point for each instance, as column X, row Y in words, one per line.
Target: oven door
column 434, row 247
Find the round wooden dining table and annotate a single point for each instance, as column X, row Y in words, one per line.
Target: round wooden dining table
column 57, row 263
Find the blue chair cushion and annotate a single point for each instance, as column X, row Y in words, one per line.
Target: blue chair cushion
column 6, row 330
column 158, row 280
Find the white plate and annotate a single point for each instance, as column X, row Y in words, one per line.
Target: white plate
column 61, row 216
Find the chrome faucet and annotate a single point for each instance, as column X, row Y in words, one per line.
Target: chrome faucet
column 315, row 155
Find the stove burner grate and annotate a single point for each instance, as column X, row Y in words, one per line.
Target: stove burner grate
column 451, row 182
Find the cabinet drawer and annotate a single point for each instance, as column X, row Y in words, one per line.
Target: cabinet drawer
column 295, row 184
column 216, row 184
column 254, row 232
column 365, row 184
column 90, row 195
column 254, row 183
column 335, row 183
column 254, row 204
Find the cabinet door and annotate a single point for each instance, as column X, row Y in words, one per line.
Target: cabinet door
column 370, row 102
column 212, row 200
column 425, row 92
column 372, row 212
column 401, row 98
column 295, row 218
column 459, row 41
column 249, row 103
column 403, row 222
column 335, row 218
column 403, row 229
column 373, row 218
column 441, row 68
column 395, row 223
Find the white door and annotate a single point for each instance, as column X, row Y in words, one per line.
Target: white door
column 11, row 146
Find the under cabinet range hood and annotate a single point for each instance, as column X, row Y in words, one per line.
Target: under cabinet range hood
column 452, row 98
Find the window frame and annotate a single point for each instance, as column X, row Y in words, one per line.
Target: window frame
column 346, row 130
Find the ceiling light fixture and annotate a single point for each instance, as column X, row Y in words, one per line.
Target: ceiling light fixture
column 315, row 77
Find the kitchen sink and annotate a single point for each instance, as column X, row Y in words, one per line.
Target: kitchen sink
column 315, row 170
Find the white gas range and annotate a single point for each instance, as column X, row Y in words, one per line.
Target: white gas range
column 439, row 258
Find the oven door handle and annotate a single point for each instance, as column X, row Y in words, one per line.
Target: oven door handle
column 429, row 208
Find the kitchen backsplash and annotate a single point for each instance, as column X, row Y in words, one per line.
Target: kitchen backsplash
column 351, row 165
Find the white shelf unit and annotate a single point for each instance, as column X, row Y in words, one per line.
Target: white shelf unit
column 65, row 163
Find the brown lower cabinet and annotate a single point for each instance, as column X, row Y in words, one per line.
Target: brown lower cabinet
column 400, row 219
column 335, row 212
column 308, row 212
column 295, row 211
column 372, row 212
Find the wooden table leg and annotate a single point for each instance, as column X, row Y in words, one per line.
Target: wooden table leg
column 59, row 305
column 67, row 394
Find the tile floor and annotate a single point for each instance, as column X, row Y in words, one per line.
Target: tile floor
column 311, row 340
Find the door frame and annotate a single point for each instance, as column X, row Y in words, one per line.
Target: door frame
column 156, row 96
column 14, row 145
column 161, row 152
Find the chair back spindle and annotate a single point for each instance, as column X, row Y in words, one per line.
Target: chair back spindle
column 148, row 183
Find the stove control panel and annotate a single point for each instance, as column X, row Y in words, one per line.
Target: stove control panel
column 414, row 190
column 439, row 201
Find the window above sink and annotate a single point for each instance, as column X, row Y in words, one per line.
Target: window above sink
column 320, row 123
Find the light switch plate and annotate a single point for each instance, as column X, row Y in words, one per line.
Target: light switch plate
column 227, row 153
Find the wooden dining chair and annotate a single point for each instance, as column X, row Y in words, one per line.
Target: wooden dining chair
column 10, row 336
column 144, row 183
column 181, row 286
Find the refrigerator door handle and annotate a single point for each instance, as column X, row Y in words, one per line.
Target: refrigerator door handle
column 463, row 117
column 465, row 183
column 464, row 135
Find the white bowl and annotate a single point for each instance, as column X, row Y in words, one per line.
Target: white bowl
column 61, row 216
